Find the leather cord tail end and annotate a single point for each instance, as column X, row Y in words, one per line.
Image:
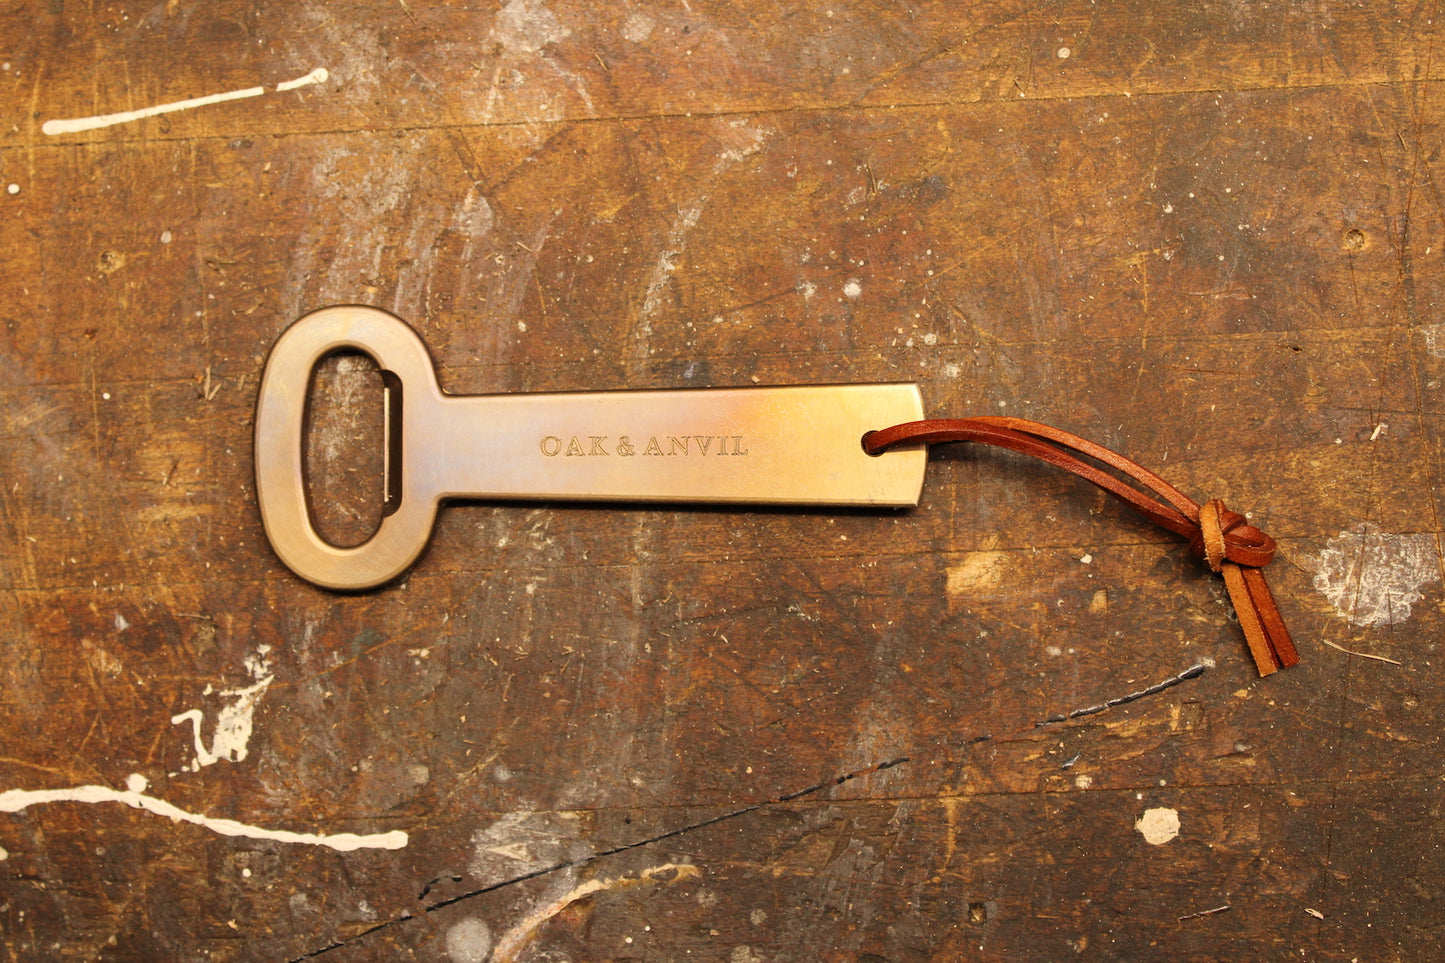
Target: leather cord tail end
column 1264, row 629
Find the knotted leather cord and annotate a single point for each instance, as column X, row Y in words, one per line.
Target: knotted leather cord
column 1227, row 542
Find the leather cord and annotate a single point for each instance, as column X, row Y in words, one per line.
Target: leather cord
column 1224, row 539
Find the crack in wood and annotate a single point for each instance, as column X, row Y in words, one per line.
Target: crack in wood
column 602, row 854
column 444, row 878
column 1193, row 672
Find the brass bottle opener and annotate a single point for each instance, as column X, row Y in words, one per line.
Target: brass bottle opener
column 701, row 445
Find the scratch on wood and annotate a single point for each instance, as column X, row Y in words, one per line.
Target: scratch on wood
column 1362, row 655
column 1203, row 913
column 1193, row 672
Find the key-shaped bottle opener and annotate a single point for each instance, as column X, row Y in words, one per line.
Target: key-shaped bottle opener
column 803, row 445
column 797, row 445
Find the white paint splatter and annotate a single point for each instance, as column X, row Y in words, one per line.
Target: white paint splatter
column 1373, row 577
column 54, row 127
column 1434, row 335
column 233, row 722
column 317, row 76
column 853, row 289
column 638, row 27
column 519, row 936
column 1158, row 826
column 469, row 941
column 3, row 854
column 14, row 800
column 527, row 26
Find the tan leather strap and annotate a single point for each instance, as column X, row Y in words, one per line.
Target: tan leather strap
column 1225, row 540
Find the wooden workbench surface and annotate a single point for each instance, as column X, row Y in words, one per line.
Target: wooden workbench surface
column 1208, row 235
